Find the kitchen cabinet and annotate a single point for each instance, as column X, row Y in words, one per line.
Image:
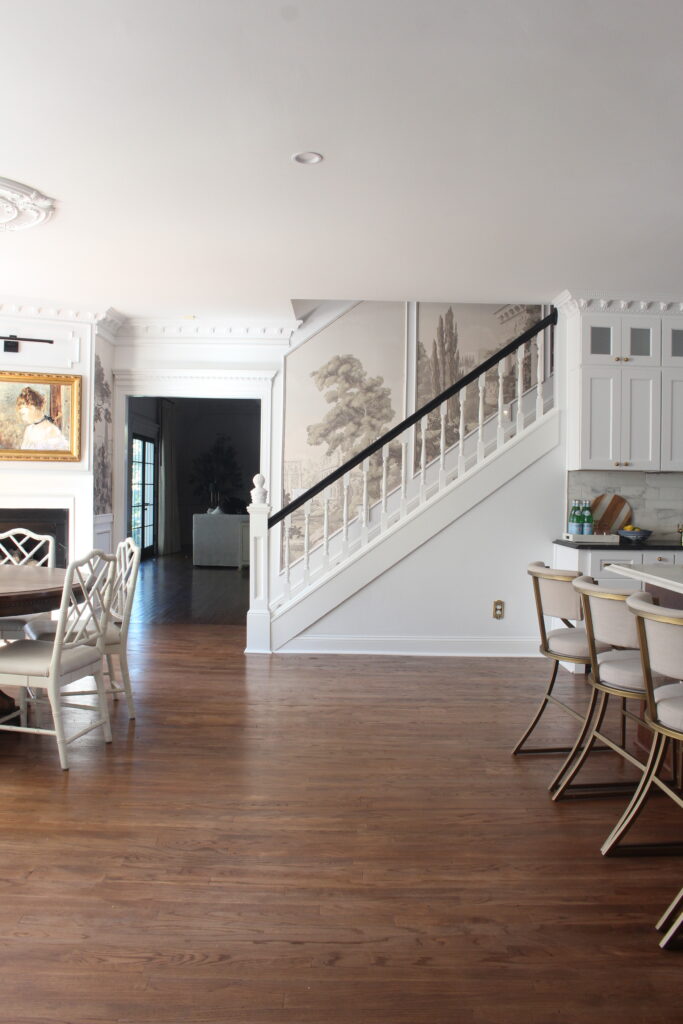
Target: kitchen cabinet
column 593, row 561
column 625, row 392
column 623, row 340
column 620, row 418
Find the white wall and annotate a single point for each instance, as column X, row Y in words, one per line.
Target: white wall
column 54, row 484
column 439, row 599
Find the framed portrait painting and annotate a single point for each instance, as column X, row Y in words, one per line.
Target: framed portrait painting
column 40, row 417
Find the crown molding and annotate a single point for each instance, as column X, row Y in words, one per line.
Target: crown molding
column 37, row 311
column 22, row 207
column 125, row 377
column 569, row 305
column 140, row 331
column 110, row 322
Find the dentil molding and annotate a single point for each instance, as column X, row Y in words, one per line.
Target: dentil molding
column 567, row 305
column 22, row 206
column 153, row 330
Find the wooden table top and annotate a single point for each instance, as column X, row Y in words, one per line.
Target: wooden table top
column 28, row 588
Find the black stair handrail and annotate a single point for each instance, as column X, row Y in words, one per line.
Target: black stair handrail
column 415, row 417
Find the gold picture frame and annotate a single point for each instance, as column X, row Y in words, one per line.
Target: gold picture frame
column 40, row 417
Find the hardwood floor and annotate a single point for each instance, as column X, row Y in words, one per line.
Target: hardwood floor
column 171, row 589
column 322, row 840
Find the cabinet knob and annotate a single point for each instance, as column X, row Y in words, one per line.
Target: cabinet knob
column 659, row 558
column 626, row 463
column 617, row 463
column 617, row 359
column 626, row 359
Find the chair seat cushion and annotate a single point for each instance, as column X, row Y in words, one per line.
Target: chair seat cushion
column 670, row 707
column 13, row 628
column 45, row 629
column 33, row 658
column 572, row 643
column 624, row 670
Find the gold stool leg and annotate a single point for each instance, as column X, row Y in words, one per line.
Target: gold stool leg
column 583, row 732
column 638, row 799
column 535, row 720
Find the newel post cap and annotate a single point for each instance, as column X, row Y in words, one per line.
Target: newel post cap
column 259, row 494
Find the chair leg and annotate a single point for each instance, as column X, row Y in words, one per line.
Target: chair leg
column 112, row 677
column 535, row 720
column 104, row 710
column 23, row 702
column 623, row 722
column 125, row 675
column 639, row 797
column 56, row 705
column 672, row 920
column 583, row 732
column 580, row 760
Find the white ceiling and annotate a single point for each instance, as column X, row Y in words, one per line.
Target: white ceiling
column 476, row 150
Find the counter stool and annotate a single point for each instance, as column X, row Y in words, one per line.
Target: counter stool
column 616, row 672
column 555, row 597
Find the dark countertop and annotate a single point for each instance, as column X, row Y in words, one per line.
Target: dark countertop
column 629, row 545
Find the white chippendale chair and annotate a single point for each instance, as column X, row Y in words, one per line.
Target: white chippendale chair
column 127, row 565
column 21, row 546
column 74, row 652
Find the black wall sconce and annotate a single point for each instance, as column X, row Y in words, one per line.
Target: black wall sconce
column 11, row 342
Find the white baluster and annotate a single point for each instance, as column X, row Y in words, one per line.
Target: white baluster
column 461, row 452
column 365, row 507
column 326, row 531
column 442, row 445
column 480, row 435
column 423, row 458
column 500, row 432
column 385, row 474
column 258, row 616
column 539, row 375
column 307, row 541
column 404, row 476
column 520, row 388
column 345, row 515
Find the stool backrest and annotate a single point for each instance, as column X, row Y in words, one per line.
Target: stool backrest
column 608, row 619
column 661, row 642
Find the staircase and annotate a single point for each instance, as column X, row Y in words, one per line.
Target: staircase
column 391, row 498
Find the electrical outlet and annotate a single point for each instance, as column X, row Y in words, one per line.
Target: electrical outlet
column 498, row 609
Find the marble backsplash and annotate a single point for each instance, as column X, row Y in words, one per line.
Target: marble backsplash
column 655, row 498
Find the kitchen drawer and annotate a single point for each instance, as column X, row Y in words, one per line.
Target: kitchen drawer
column 600, row 559
column 659, row 557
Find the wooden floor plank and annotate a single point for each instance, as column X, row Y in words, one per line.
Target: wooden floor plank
column 322, row 840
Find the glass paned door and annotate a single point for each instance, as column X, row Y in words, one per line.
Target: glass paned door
column 143, row 493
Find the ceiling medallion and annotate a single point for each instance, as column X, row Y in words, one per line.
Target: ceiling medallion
column 22, row 206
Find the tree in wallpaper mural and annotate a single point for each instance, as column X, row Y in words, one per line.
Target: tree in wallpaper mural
column 454, row 339
column 102, row 419
column 340, row 388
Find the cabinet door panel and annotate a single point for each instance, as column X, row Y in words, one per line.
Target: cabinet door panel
column 672, row 341
column 640, row 419
column 600, row 416
column 672, row 419
column 641, row 340
column 601, row 340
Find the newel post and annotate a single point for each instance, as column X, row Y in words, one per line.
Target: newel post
column 258, row 616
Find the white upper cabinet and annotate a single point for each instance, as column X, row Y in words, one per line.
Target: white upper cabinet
column 625, row 388
column 621, row 340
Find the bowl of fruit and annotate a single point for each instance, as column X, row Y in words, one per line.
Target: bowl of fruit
column 634, row 533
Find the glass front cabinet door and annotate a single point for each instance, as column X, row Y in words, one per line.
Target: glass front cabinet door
column 621, row 341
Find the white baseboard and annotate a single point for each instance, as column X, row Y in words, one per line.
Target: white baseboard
column 420, row 646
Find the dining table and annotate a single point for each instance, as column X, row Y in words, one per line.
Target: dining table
column 25, row 589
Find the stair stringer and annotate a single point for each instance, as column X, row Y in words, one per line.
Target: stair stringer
column 414, row 530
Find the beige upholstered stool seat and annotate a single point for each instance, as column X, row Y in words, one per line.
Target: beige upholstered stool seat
column 670, row 709
column 624, row 670
column 573, row 643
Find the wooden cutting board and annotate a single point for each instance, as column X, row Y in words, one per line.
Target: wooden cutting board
column 611, row 512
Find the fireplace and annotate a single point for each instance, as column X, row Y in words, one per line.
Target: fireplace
column 54, row 521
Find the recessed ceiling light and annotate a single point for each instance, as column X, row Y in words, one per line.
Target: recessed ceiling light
column 308, row 157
